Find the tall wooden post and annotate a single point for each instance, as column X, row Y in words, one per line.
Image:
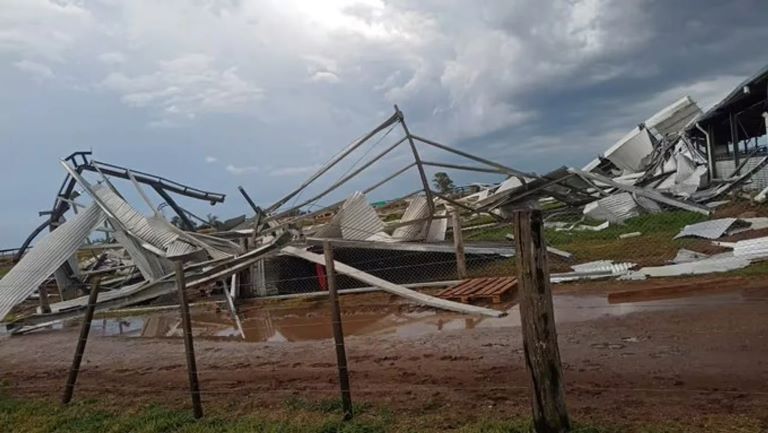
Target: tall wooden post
column 338, row 332
column 45, row 306
column 542, row 355
column 85, row 329
column 458, row 244
column 189, row 347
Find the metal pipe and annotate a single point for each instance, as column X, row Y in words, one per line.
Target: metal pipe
column 422, row 174
column 248, row 199
column 341, row 181
column 333, row 162
column 710, row 158
column 507, row 170
column 338, row 332
column 189, row 348
column 85, row 329
column 464, row 167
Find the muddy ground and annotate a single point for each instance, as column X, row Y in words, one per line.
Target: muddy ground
column 675, row 350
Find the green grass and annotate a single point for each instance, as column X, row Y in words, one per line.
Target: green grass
column 297, row 416
column 655, row 245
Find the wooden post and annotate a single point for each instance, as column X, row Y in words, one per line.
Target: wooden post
column 85, row 329
column 45, row 306
column 542, row 355
column 458, row 244
column 189, row 347
column 338, row 332
column 245, row 288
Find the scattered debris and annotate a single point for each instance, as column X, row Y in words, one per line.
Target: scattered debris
column 630, row 235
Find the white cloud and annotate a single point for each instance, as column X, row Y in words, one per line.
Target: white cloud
column 33, row 68
column 113, row 58
column 211, row 159
column 324, row 77
column 294, row 170
column 185, row 86
column 42, row 28
column 241, row 170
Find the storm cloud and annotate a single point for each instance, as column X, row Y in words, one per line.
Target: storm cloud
column 219, row 93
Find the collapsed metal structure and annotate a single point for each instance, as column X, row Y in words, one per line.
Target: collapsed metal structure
column 661, row 164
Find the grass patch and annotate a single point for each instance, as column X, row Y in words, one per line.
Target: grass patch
column 298, row 416
column 655, row 245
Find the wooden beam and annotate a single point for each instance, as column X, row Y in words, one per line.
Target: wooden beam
column 338, row 332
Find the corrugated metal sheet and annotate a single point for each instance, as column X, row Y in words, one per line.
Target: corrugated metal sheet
column 604, row 266
column 136, row 224
column 356, row 220
column 417, row 209
column 752, row 248
column 614, row 208
column 704, row 266
column 711, row 229
column 47, row 255
column 150, row 265
column 675, row 117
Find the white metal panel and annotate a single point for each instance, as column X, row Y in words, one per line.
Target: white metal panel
column 417, row 209
column 47, row 255
column 615, row 208
column 438, row 228
column 355, row 220
column 630, row 152
column 711, row 229
column 675, row 117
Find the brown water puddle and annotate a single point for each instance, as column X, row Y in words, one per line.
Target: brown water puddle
column 282, row 324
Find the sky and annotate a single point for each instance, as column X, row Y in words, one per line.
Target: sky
column 221, row 93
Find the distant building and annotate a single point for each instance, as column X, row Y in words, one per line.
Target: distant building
column 733, row 132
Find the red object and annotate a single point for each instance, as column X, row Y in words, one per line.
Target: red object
column 321, row 278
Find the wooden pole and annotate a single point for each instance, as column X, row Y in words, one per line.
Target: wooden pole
column 542, row 355
column 458, row 244
column 45, row 306
column 338, row 332
column 189, row 347
column 85, row 329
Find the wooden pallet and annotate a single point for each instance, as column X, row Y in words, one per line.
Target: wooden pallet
column 493, row 288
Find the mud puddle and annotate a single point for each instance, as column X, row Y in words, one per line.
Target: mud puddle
column 281, row 324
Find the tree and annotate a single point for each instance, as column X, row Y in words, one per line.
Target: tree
column 442, row 182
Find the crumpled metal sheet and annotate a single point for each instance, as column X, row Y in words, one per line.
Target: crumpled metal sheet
column 751, row 248
column 417, row 209
column 154, row 230
column 711, row 229
column 47, row 255
column 675, row 117
column 704, row 266
column 604, row 266
column 356, row 220
column 630, row 152
column 615, row 208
